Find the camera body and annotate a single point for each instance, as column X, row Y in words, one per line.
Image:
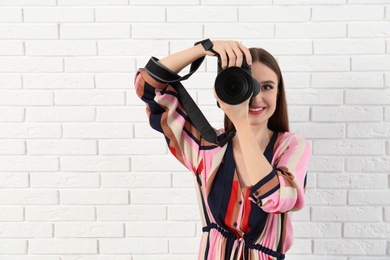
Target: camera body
column 234, row 85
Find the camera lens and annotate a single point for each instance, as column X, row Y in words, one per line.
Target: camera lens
column 233, row 85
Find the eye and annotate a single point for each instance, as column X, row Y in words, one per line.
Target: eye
column 267, row 87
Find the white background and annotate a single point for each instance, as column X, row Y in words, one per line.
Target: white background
column 82, row 176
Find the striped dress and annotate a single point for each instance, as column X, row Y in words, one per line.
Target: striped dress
column 238, row 222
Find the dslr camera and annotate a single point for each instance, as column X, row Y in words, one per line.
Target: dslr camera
column 234, row 85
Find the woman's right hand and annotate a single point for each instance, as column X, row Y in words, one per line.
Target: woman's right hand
column 231, row 53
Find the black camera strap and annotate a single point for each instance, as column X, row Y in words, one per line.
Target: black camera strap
column 163, row 74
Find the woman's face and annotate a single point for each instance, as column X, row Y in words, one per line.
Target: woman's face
column 264, row 103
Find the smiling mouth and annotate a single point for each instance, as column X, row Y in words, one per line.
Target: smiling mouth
column 256, row 109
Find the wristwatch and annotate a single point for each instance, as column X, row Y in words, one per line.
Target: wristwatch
column 207, row 45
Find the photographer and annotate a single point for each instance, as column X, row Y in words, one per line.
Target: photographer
column 248, row 187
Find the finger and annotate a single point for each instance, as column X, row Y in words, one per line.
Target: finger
column 239, row 56
column 246, row 53
column 231, row 56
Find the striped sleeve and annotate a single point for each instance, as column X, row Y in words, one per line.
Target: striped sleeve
column 167, row 116
column 283, row 189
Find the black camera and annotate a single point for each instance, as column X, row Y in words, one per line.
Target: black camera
column 234, row 85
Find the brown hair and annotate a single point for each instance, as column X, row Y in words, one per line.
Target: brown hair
column 278, row 122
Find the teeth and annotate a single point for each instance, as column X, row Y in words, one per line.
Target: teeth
column 256, row 109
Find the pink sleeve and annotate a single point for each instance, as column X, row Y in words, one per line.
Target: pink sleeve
column 283, row 189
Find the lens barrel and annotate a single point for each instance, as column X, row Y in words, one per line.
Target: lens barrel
column 234, row 85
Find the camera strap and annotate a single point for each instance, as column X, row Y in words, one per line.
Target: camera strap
column 163, row 74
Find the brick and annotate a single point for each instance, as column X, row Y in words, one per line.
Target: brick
column 167, row 30
column 13, row 246
column 114, row 81
column 58, row 81
column 302, row 246
column 64, row 180
column 184, row 246
column 298, row 256
column 182, row 180
column 94, row 197
column 133, row 246
column 144, row 131
column 296, row 80
column 93, row 2
column 325, row 197
column 274, row 14
column 63, row 246
column 91, row 97
column 58, row 14
column 60, row 114
column 370, row 63
column 349, row 46
column 387, row 113
column 29, row 2
column 317, row 230
column 368, row 164
column 133, row 147
column 96, row 257
column 347, row 13
column 310, row 30
column 314, row 130
column 282, row 47
column 26, row 230
column 97, row 64
column 31, row 64
column 131, row 213
column 202, row 14
column 26, row 97
column 165, row 229
column 352, row 181
column 28, row 163
column 11, row 48
column 151, row 163
column 89, row 230
column 133, row 48
column 136, row 180
column 368, row 230
column 349, row 214
column 14, row 180
column 61, row 48
column 348, row 147
column 10, row 81
column 356, row 247
column 8, row 15
column 326, row 164
column 61, row 147
column 365, row 97
column 314, row 63
column 233, row 2
column 311, row 2
column 12, row 147
column 377, row 197
column 94, row 31
column 130, row 14
column 95, row 163
column 183, row 213
column 298, row 114
column 314, row 97
column 60, row 213
column 368, row 130
column 28, row 31
column 348, row 80
column 28, row 197
column 163, row 196
column 102, row 130
column 27, row 131
column 11, row 214
column 239, row 31
column 347, row 114
column 369, row 29
column 121, row 114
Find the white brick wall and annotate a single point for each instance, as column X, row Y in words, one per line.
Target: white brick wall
column 82, row 175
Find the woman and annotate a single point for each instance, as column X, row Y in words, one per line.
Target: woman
column 247, row 188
